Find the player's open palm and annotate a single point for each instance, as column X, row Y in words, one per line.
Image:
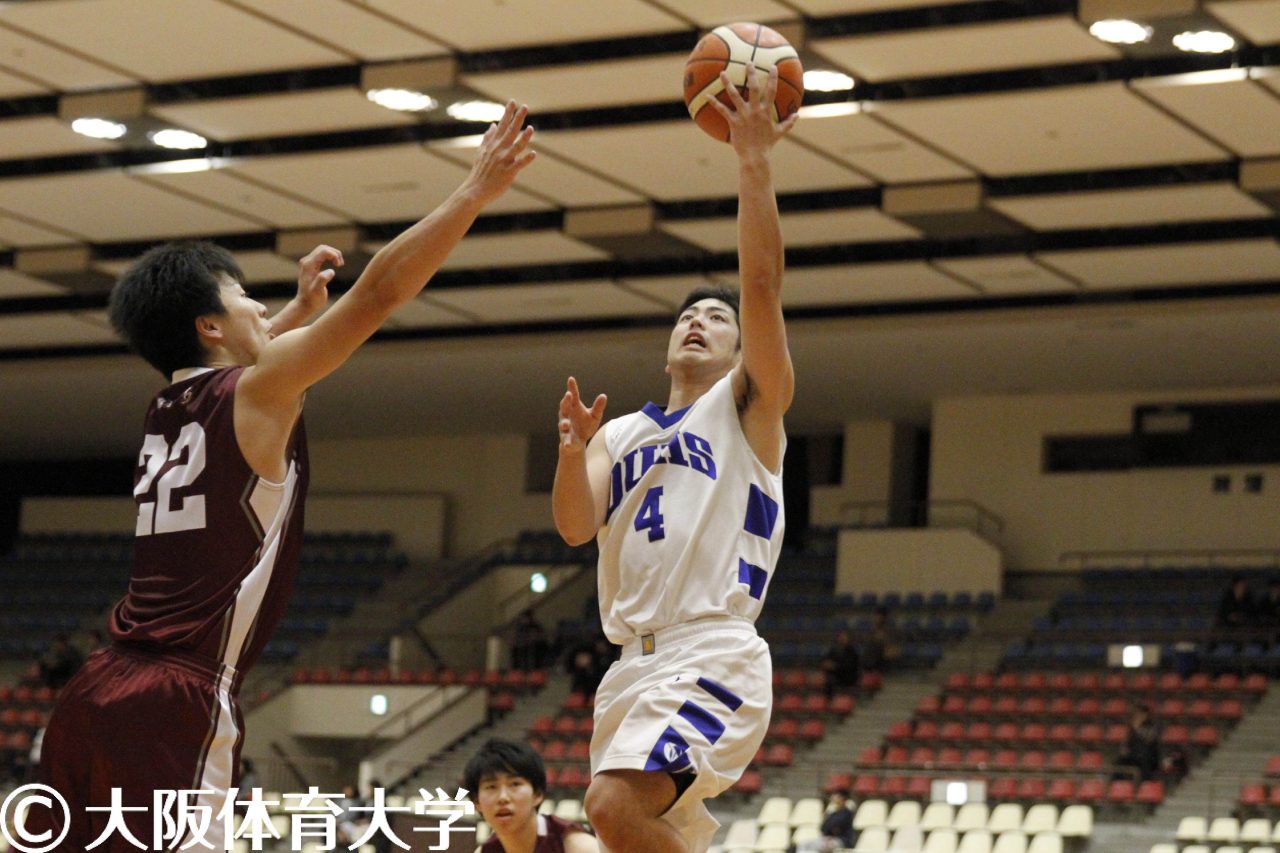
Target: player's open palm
column 751, row 124
column 578, row 423
column 503, row 153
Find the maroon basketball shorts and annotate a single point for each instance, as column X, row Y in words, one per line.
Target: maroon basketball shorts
column 140, row 722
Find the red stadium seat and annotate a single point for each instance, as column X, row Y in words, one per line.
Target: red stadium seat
column 1204, row 737
column 978, row 705
column 958, row 681
column 1035, row 681
column 502, row 702
column 1062, row 791
column 1062, row 759
column 926, row 730
column 952, row 732
column 901, row 730
column 779, row 755
column 751, row 782
column 543, row 726
column 815, row 703
column 580, row 750
column 1004, row 788
column 983, row 681
column 1060, row 682
column 896, row 756
column 921, row 756
column 978, row 732
column 841, row 704
column 1273, row 766
column 812, row 731
column 1032, row 759
column 870, row 757
column 791, row 703
column 1091, row 791
column 919, row 787
column 1005, row 759
column 894, row 787
column 838, row 782
column 929, row 705
column 1150, row 793
column 586, row 725
column 977, row 758
column 950, row 757
column 554, row 750
column 1090, row 760
column 1120, row 792
column 575, row 701
column 1061, row 734
column 1031, row 790
column 1229, row 710
column 866, row 785
column 1253, row 794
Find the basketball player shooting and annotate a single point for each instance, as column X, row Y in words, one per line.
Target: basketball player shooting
column 220, row 486
column 686, row 502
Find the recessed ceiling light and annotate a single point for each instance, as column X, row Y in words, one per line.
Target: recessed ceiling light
column 821, row 80
column 1120, row 31
column 476, row 111
column 402, row 100
column 183, row 140
column 844, row 108
column 98, row 128
column 1204, row 41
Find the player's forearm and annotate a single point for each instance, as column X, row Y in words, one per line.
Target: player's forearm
column 291, row 316
column 760, row 253
column 400, row 270
column 572, row 503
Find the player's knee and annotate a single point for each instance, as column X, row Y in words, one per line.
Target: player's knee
column 608, row 805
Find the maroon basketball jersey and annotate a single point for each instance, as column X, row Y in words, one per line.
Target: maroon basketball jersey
column 216, row 546
column 551, row 833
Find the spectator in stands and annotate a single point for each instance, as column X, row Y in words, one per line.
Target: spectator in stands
column 584, row 674
column 507, row 782
column 351, row 824
column 1236, row 609
column 1142, row 747
column 836, row 829
column 60, row 662
column 529, row 646
column 878, row 650
column 1269, row 604
column 842, row 664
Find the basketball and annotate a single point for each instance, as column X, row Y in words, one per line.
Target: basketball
column 730, row 48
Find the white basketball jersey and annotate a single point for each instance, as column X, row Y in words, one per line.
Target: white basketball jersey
column 694, row 522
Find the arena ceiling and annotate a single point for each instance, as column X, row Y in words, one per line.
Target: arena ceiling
column 1002, row 203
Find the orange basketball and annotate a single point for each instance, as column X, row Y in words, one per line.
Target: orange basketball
column 730, row 48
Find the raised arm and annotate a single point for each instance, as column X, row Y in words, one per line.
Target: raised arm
column 581, row 490
column 315, row 271
column 764, row 380
column 294, row 361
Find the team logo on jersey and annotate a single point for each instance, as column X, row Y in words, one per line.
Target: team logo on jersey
column 683, row 449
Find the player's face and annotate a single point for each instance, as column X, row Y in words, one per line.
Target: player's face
column 507, row 802
column 706, row 333
column 246, row 328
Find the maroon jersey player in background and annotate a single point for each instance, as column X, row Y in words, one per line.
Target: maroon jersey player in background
column 220, row 485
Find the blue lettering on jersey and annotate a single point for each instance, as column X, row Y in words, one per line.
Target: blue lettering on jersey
column 683, row 449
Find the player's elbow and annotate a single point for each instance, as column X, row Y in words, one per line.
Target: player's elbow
column 575, row 536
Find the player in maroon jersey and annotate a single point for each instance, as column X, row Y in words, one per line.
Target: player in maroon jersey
column 220, row 486
column 508, row 782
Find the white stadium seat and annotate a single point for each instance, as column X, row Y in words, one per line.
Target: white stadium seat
column 1045, row 842
column 971, row 816
column 944, row 839
column 774, row 810
column 742, row 833
column 937, row 816
column 1005, row 817
column 1255, row 830
column 1224, row 830
column 874, row 839
column 1042, row 817
column 975, row 841
column 773, row 838
column 870, row 813
column 1013, row 841
column 570, row 809
column 1192, row 828
column 903, row 813
column 1076, row 821
column 806, row 811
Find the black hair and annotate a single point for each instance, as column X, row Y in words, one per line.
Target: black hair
column 727, row 295
column 155, row 303
column 505, row 756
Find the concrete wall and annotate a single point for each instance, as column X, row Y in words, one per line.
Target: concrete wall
column 909, row 560
column 990, row 450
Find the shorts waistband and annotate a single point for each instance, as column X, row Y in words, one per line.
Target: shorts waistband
column 661, row 639
column 224, row 676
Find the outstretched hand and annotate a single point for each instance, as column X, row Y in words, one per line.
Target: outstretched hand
column 752, row 128
column 578, row 423
column 502, row 153
column 315, row 271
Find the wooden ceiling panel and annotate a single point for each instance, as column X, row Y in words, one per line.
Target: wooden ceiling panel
column 21, row 331
column 23, row 233
column 814, row 228
column 316, row 111
column 638, row 80
column 491, row 24
column 878, row 150
column 14, row 284
column 233, row 192
column 546, row 302
column 177, row 44
column 675, row 160
column 350, row 28
column 1064, row 129
column 45, row 136
column 1227, row 262
column 1006, row 275
column 43, row 61
column 966, row 49
column 1237, row 113
column 870, row 283
column 1256, row 20
column 1143, row 206
column 520, row 248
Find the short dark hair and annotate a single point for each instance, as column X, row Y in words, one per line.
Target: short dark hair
column 155, row 303
column 728, row 295
column 505, row 756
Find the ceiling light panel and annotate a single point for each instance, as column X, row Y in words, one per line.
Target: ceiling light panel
column 965, row 49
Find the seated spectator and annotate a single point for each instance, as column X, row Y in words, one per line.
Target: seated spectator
column 529, row 646
column 1142, row 748
column 1236, row 609
column 60, row 662
column 878, row 649
column 836, row 829
column 507, row 782
column 842, row 664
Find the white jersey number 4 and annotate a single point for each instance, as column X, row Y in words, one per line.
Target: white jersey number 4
column 157, row 515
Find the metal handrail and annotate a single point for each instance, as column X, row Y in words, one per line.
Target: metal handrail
column 1146, row 558
column 878, row 514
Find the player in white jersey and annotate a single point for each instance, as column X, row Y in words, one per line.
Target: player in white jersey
column 686, row 502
